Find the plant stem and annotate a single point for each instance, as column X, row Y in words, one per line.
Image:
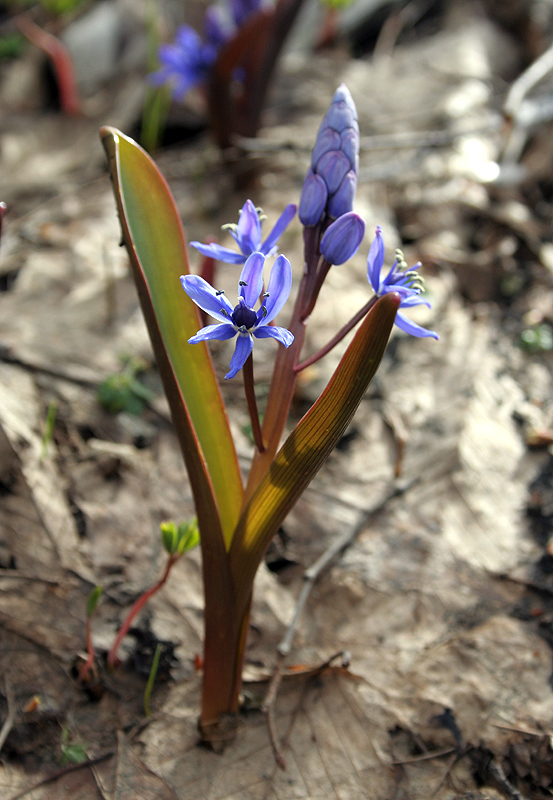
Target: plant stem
column 151, row 679
column 283, row 381
column 338, row 338
column 84, row 670
column 137, row 606
column 249, row 389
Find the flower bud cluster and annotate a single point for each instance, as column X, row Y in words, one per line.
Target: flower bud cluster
column 331, row 181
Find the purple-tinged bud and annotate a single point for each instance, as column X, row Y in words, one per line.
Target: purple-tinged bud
column 326, row 140
column 332, row 167
column 335, row 156
column 342, row 200
column 313, row 199
column 341, row 240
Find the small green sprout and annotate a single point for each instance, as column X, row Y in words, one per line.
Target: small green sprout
column 178, row 540
column 538, row 339
column 49, row 428
column 92, row 601
column 151, row 679
column 123, row 392
column 91, row 604
column 71, row 752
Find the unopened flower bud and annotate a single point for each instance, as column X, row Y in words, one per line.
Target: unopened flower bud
column 335, row 159
column 313, row 199
column 341, row 240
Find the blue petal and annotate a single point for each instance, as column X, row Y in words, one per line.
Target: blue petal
column 413, row 300
column 280, row 226
column 248, row 231
column 332, row 167
column 282, row 335
column 412, row 328
column 314, row 195
column 206, row 297
column 375, row 260
column 251, row 279
column 221, row 332
column 342, row 200
column 186, row 38
column 220, row 253
column 278, row 291
column 244, row 347
column 327, row 140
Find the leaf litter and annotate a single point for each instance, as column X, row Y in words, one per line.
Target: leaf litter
column 444, row 600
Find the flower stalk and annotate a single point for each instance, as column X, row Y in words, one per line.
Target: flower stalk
column 249, row 389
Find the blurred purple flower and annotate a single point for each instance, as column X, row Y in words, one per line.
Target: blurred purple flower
column 405, row 282
column 247, row 235
column 242, row 321
column 188, row 61
column 241, row 9
column 335, row 160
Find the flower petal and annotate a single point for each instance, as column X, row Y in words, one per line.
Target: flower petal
column 280, row 226
column 408, row 326
column 314, row 195
column 220, row 253
column 412, row 300
column 244, row 346
column 342, row 200
column 278, row 291
column 375, row 260
column 251, row 279
column 282, row 335
column 248, row 230
column 221, row 332
column 206, row 297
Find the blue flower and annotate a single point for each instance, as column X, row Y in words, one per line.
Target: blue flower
column 242, row 320
column 247, row 235
column 405, row 282
column 186, row 63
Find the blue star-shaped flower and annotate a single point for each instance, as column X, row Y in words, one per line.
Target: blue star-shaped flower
column 406, row 283
column 247, row 235
column 186, row 63
column 242, row 320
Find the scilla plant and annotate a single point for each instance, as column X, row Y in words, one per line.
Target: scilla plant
column 237, row 519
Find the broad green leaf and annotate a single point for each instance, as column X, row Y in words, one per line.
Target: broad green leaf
column 153, row 235
column 310, row 443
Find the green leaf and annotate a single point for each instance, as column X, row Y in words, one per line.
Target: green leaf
column 309, row 444
column 154, row 239
column 92, row 601
column 169, row 536
column 188, row 537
